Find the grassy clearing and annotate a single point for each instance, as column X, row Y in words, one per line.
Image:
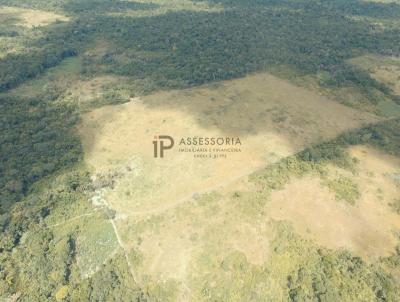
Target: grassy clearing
column 313, row 210
column 214, row 266
column 221, row 232
column 228, row 234
column 310, row 203
column 389, row 108
column 386, row 70
column 72, row 87
column 19, row 28
column 28, row 17
column 55, row 80
column 95, row 244
column 276, row 116
column 286, row 275
column 367, row 99
column 10, row 45
column 161, row 7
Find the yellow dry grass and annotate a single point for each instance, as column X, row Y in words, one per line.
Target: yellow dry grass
column 366, row 228
column 385, row 69
column 161, row 213
column 171, row 243
column 30, row 17
column 273, row 119
column 168, row 6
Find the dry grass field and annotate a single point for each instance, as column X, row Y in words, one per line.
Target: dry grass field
column 365, row 228
column 167, row 6
column 179, row 216
column 383, row 69
column 22, row 23
column 276, row 119
column 29, row 17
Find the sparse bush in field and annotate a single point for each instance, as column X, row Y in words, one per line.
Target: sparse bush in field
column 384, row 135
column 328, row 152
column 311, row 160
column 275, row 176
column 395, row 205
column 393, row 261
column 344, row 188
column 319, row 274
column 296, row 270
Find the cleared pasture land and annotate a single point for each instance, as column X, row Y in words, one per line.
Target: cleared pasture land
column 386, row 70
column 18, row 26
column 167, row 6
column 29, row 17
column 185, row 222
column 367, row 227
column 272, row 118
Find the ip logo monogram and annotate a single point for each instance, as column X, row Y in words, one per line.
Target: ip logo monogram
column 161, row 143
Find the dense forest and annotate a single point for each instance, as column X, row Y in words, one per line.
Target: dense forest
column 186, row 48
column 41, row 166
